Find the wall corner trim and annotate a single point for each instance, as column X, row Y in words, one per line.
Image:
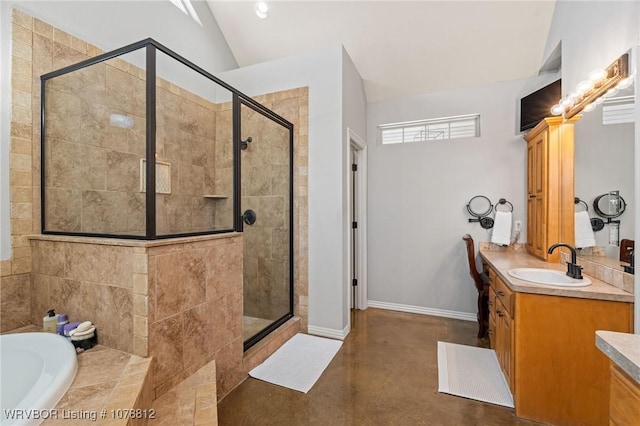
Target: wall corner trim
column 329, row 332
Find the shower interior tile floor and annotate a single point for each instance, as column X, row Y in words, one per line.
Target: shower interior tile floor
column 252, row 325
column 386, row 373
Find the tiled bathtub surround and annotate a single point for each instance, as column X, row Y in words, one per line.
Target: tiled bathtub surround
column 87, row 282
column 177, row 300
column 106, row 379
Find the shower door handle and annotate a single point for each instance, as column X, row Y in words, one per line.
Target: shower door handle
column 249, row 217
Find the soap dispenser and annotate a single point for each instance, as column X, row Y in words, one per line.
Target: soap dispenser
column 50, row 322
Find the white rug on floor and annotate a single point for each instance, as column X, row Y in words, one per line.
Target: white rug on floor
column 472, row 372
column 298, row 363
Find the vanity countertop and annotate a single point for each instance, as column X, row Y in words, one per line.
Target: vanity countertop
column 623, row 349
column 502, row 261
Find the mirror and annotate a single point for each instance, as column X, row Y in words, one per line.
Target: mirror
column 604, row 163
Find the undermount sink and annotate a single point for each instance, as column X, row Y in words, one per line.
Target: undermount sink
column 548, row 277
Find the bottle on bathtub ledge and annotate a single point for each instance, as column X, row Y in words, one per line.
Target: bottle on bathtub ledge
column 50, row 322
column 62, row 321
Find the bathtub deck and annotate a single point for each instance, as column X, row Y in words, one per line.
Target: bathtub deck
column 107, row 380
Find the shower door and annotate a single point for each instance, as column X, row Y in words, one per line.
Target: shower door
column 265, row 155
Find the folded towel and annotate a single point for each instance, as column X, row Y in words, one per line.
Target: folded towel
column 501, row 233
column 584, row 236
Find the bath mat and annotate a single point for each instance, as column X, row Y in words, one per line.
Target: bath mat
column 472, row 373
column 298, row 363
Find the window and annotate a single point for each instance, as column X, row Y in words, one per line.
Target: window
column 187, row 8
column 463, row 126
column 618, row 110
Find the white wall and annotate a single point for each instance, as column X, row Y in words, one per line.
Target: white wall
column 108, row 25
column 354, row 116
column 322, row 72
column 418, row 194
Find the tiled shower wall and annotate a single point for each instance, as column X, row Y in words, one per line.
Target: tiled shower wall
column 94, row 168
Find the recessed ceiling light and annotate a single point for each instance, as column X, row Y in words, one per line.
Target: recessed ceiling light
column 262, row 9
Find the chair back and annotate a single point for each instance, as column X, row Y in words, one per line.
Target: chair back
column 471, row 255
column 626, row 247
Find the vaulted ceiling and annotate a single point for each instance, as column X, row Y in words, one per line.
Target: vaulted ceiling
column 400, row 48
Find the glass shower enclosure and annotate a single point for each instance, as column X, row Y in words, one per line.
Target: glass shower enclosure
column 140, row 143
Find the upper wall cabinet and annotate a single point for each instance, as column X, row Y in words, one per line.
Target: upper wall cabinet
column 550, row 205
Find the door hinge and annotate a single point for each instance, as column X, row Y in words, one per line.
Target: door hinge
column 354, row 167
column 354, row 225
column 354, row 282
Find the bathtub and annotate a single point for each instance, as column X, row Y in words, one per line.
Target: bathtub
column 36, row 371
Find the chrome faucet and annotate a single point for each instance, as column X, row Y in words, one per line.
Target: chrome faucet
column 573, row 269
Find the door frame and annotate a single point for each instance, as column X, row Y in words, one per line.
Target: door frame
column 359, row 145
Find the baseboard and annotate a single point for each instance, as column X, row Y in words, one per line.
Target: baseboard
column 329, row 332
column 424, row 311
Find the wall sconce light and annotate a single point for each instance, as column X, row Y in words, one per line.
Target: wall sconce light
column 591, row 92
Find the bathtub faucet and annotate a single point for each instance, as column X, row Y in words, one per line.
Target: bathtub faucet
column 573, row 269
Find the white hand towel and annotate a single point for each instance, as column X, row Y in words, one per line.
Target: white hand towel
column 584, row 233
column 501, row 233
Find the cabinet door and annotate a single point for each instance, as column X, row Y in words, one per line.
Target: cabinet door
column 537, row 195
column 531, row 196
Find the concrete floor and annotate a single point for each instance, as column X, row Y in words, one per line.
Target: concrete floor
column 386, row 373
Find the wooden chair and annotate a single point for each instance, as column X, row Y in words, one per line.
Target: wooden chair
column 626, row 247
column 481, row 281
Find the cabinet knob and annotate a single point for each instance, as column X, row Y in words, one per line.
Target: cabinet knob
column 500, row 314
column 500, row 293
column 532, row 195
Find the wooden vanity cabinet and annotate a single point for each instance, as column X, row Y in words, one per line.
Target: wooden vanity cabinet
column 624, row 408
column 501, row 324
column 550, row 182
column 545, row 346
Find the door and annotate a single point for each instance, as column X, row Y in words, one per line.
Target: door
column 266, row 220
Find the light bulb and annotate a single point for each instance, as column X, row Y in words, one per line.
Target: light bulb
column 599, row 100
column 625, row 83
column 611, row 92
column 584, row 86
column 597, row 75
column 557, row 109
column 589, row 107
column 262, row 9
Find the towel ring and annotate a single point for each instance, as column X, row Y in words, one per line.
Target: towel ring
column 503, row 201
column 577, row 200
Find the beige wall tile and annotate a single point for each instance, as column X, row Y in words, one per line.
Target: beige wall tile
column 140, row 283
column 20, row 18
column 15, row 302
column 42, row 28
column 5, row 267
column 21, row 146
column 61, row 37
column 21, row 210
column 20, row 162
